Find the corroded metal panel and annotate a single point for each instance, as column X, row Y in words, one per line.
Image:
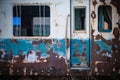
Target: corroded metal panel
column 33, row 57
column 105, row 45
column 80, row 56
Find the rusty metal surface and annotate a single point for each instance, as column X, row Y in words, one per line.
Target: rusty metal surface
column 116, row 3
column 109, row 63
column 53, row 66
column 105, row 52
column 33, row 57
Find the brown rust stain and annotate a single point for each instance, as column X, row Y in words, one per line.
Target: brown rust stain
column 78, row 55
column 93, row 15
column 116, row 3
column 94, row 2
column 54, row 65
column 103, row 1
column 46, row 41
column 103, row 65
column 14, row 41
column 67, row 43
column 36, row 42
column 0, row 30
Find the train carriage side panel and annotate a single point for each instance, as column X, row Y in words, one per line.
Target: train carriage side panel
column 36, row 54
column 105, row 37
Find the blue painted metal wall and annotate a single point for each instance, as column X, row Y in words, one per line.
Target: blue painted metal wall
column 42, row 46
column 80, row 53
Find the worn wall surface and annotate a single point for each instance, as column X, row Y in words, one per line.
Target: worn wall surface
column 59, row 17
column 52, row 55
column 33, row 57
column 105, row 45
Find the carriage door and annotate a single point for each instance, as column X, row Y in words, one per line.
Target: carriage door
column 80, row 35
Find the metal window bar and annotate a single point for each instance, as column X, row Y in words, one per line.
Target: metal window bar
column 18, row 14
column 20, row 21
column 16, row 28
column 40, row 30
column 44, row 20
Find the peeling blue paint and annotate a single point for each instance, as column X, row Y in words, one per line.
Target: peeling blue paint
column 26, row 45
column 80, row 49
column 103, row 45
column 59, row 47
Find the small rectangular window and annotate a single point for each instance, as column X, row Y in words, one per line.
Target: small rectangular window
column 79, row 14
column 31, row 20
column 104, row 18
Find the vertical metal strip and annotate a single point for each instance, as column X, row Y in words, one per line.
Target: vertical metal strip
column 16, row 21
column 20, row 20
column 40, row 30
column 44, row 20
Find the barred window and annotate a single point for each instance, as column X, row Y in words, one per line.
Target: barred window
column 31, row 20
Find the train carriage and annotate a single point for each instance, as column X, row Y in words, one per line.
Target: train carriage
column 59, row 38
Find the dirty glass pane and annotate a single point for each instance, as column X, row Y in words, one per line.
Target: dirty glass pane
column 41, row 26
column 26, row 20
column 79, row 18
column 104, row 19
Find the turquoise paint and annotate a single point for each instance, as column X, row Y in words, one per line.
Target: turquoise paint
column 26, row 45
column 59, row 47
column 79, row 47
column 104, row 46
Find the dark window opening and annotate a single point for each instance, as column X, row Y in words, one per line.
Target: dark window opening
column 104, row 18
column 31, row 20
column 79, row 18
